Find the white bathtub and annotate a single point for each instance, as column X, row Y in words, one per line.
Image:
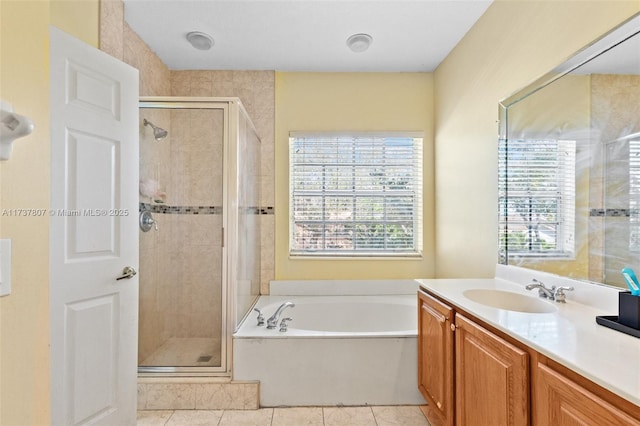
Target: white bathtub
column 338, row 350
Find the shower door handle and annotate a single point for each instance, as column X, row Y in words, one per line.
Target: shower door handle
column 127, row 272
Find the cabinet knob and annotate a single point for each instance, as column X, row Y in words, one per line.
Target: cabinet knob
column 439, row 404
column 453, row 327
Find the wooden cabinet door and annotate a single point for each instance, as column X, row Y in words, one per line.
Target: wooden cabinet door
column 492, row 378
column 560, row 401
column 435, row 358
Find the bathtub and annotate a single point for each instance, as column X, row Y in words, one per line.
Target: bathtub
column 353, row 349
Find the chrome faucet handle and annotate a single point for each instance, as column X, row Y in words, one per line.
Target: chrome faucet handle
column 559, row 294
column 260, row 317
column 283, row 324
column 543, row 291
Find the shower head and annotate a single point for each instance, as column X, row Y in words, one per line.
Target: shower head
column 158, row 132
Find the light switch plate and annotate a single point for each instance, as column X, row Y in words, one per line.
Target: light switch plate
column 5, row 267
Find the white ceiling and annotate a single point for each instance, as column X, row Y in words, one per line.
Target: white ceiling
column 304, row 35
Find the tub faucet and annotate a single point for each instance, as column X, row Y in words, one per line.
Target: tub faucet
column 283, row 324
column 543, row 291
column 272, row 322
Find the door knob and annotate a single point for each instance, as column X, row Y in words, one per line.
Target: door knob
column 127, row 272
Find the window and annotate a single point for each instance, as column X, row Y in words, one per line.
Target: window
column 625, row 169
column 355, row 195
column 537, row 197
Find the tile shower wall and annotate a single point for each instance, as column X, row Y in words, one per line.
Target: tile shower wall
column 256, row 90
column 193, row 249
column 120, row 41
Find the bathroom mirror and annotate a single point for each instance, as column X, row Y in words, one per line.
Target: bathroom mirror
column 569, row 164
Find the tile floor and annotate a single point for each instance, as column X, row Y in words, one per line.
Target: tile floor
column 291, row 416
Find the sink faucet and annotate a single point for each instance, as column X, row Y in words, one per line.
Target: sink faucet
column 543, row 291
column 273, row 320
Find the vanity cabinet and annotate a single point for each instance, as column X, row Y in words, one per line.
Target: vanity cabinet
column 435, row 352
column 482, row 375
column 561, row 401
column 472, row 374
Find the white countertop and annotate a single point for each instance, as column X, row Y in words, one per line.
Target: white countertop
column 570, row 335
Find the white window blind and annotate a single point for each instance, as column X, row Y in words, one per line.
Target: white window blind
column 634, row 195
column 537, row 197
column 355, row 195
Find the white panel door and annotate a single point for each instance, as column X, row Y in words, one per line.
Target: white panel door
column 93, row 235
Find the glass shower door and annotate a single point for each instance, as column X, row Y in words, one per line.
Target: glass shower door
column 182, row 318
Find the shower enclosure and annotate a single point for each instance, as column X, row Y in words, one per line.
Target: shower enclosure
column 200, row 258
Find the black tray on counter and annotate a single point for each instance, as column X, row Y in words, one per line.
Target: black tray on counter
column 611, row 321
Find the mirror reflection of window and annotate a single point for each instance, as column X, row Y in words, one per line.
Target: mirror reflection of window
column 537, row 197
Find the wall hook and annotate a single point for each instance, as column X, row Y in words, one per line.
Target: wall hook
column 12, row 126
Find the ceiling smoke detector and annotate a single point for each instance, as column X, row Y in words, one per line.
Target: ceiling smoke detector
column 359, row 42
column 200, row 40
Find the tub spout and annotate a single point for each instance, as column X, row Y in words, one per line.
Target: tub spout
column 272, row 322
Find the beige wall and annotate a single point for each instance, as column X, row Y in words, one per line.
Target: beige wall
column 25, row 183
column 352, row 102
column 512, row 44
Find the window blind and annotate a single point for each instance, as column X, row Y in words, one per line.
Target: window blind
column 537, row 197
column 634, row 195
column 356, row 195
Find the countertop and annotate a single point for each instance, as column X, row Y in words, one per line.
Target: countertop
column 570, row 335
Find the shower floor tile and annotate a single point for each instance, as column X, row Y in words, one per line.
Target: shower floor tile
column 185, row 352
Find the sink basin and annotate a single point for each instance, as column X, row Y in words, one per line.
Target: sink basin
column 509, row 301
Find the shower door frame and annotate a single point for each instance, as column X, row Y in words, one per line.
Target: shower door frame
column 229, row 106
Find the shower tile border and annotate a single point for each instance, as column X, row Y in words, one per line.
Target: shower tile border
column 613, row 212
